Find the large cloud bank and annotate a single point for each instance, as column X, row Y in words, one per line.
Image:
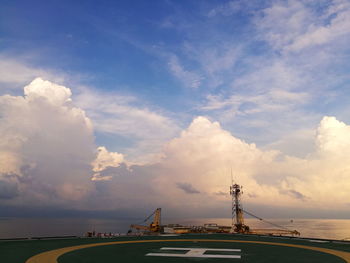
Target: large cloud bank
column 46, row 148
column 194, row 174
column 48, row 157
column 204, row 154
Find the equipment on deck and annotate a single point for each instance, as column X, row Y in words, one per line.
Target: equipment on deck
column 238, row 225
column 155, row 226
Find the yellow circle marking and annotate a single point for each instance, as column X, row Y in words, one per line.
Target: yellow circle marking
column 52, row 255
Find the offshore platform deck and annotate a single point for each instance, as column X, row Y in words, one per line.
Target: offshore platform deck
column 208, row 244
column 206, row 248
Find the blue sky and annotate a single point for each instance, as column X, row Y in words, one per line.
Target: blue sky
column 189, row 58
column 143, row 71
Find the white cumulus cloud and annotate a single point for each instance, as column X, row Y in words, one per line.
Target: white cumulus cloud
column 197, row 166
column 48, row 156
column 104, row 160
column 47, row 144
column 43, row 89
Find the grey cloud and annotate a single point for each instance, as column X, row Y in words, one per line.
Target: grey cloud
column 293, row 193
column 187, row 188
column 221, row 193
column 8, row 187
column 252, row 195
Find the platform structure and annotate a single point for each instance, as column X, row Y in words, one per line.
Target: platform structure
column 238, row 225
column 207, row 248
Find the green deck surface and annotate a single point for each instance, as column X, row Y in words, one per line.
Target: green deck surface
column 20, row 251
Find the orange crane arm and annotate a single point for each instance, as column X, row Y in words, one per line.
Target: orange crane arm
column 155, row 226
column 156, row 220
column 139, row 227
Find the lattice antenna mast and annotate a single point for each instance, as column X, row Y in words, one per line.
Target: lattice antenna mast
column 233, row 204
column 237, row 211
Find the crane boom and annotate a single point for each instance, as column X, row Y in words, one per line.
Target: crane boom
column 155, row 226
column 140, row 227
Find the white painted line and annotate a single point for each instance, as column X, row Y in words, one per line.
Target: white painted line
column 211, row 249
column 192, row 256
column 318, row 241
column 196, row 253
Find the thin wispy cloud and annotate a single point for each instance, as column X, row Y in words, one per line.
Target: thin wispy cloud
column 301, row 26
column 123, row 116
column 15, row 73
column 188, row 78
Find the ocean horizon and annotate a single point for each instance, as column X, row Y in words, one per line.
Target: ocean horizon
column 11, row 227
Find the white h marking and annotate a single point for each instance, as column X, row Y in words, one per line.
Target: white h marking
column 196, row 253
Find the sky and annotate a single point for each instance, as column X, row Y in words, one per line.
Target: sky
column 120, row 107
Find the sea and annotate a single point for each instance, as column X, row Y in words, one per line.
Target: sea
column 338, row 229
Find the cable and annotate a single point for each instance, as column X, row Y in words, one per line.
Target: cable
column 145, row 220
column 149, row 216
column 265, row 220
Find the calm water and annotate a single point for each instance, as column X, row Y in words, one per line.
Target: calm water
column 30, row 227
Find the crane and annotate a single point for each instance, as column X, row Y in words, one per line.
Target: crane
column 155, row 226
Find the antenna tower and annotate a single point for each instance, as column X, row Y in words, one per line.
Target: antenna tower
column 237, row 210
